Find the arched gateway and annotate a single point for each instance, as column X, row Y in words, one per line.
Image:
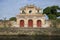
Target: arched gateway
column 39, row 23
column 31, row 16
column 21, row 23
column 30, row 23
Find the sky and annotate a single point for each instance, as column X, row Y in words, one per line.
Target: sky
column 10, row 8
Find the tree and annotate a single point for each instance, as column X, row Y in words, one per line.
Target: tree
column 58, row 14
column 52, row 16
column 12, row 19
column 47, row 10
column 51, row 12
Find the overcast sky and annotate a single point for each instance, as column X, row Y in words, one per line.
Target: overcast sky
column 10, row 8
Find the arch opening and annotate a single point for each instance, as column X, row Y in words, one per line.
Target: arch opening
column 30, row 23
column 39, row 23
column 21, row 23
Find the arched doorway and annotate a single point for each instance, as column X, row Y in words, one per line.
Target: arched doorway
column 39, row 23
column 21, row 23
column 30, row 23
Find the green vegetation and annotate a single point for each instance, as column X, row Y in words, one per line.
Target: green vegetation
column 56, row 23
column 51, row 12
column 12, row 19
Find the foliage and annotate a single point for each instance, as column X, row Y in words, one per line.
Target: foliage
column 58, row 14
column 58, row 21
column 52, row 16
column 47, row 10
column 12, row 19
column 55, row 23
column 52, row 12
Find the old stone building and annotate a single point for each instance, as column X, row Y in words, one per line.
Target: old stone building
column 31, row 16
